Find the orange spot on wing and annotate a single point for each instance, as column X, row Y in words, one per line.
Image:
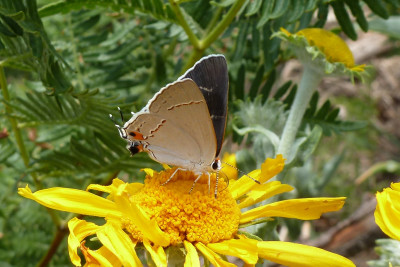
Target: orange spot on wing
column 136, row 135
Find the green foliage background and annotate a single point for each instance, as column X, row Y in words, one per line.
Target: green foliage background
column 66, row 65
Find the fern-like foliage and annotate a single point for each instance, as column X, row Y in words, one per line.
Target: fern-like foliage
column 25, row 45
column 387, row 250
column 70, row 63
column 327, row 117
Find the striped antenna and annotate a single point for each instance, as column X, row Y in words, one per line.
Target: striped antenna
column 242, row 172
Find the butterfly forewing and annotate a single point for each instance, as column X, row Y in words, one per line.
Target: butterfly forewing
column 176, row 126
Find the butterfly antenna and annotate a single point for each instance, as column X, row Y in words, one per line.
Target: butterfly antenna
column 121, row 133
column 242, row 172
column 227, row 179
column 122, row 115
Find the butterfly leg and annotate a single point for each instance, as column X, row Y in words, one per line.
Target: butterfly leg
column 195, row 181
column 172, row 176
column 216, row 186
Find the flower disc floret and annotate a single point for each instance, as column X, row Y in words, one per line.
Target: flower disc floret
column 195, row 216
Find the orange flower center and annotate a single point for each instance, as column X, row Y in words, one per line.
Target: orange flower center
column 196, row 216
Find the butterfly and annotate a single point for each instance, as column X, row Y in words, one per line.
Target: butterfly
column 184, row 123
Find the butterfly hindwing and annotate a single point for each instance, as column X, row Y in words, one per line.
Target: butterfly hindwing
column 211, row 76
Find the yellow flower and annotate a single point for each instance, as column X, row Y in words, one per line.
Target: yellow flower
column 387, row 213
column 155, row 217
column 229, row 168
column 324, row 49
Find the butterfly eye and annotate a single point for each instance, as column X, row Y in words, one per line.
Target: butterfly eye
column 216, row 165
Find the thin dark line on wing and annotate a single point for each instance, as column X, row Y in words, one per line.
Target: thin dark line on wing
column 185, row 104
column 156, row 129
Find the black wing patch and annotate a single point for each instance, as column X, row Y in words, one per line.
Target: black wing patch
column 211, row 76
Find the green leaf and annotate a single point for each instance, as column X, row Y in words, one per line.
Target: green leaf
column 378, row 7
column 297, row 9
column 156, row 8
column 290, row 97
column 241, row 40
column 28, row 41
column 266, row 89
column 239, row 84
column 357, row 12
column 387, row 249
column 389, row 26
column 256, row 82
column 395, row 3
column 279, row 9
column 253, row 7
column 305, row 148
column 282, row 90
column 344, row 19
column 265, row 12
column 255, row 40
column 322, row 15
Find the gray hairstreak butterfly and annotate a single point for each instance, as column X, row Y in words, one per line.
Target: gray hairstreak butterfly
column 184, row 123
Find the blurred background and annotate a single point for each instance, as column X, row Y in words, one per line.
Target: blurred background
column 66, row 65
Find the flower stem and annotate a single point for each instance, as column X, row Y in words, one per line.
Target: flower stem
column 307, row 86
column 222, row 25
column 13, row 121
column 199, row 46
column 182, row 21
column 20, row 141
column 62, row 231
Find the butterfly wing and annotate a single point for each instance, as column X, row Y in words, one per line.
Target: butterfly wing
column 176, row 127
column 211, row 76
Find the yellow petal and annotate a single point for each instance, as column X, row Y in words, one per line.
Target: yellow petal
column 157, row 254
column 78, row 230
column 119, row 244
column 229, row 168
column 395, row 186
column 269, row 169
column 192, row 257
column 303, row 209
column 245, row 249
column 72, row 200
column 264, row 191
column 213, row 257
column 244, row 184
column 104, row 257
column 334, row 48
column 106, row 188
column 148, row 228
column 292, row 254
column 166, row 166
column 387, row 213
column 131, row 188
column 149, row 171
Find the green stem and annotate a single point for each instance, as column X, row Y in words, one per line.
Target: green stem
column 214, row 34
column 222, row 25
column 62, row 231
column 13, row 121
column 307, row 86
column 214, row 20
column 20, row 141
column 182, row 21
